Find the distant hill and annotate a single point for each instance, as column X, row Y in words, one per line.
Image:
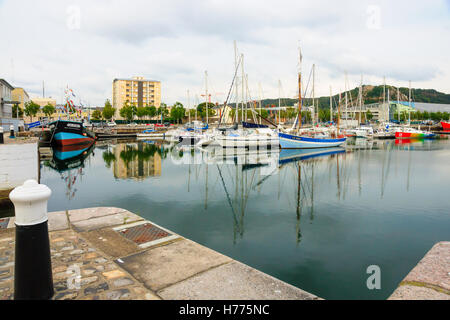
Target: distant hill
column 371, row 94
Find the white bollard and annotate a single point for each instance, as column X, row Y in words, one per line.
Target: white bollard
column 32, row 270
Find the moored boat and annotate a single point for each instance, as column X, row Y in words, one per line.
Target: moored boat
column 410, row 133
column 297, row 141
column 289, row 141
column 150, row 133
column 445, row 125
column 67, row 133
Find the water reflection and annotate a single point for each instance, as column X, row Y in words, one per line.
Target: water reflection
column 69, row 162
column 135, row 160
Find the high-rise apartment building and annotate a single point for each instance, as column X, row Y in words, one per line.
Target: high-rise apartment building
column 137, row 91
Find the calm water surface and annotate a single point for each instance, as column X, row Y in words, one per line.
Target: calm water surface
column 316, row 222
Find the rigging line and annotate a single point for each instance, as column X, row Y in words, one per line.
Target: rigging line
column 231, row 88
column 228, row 195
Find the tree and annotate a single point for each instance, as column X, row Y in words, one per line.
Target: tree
column 48, row 109
column 177, row 112
column 291, row 113
column 150, row 111
column 141, row 112
column 96, row 115
column 127, row 111
column 369, row 115
column 31, row 109
column 16, row 109
column 162, row 110
column 108, row 110
column 201, row 109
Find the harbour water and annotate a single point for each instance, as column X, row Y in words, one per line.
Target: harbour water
column 316, row 221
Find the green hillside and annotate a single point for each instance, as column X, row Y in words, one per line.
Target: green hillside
column 371, row 94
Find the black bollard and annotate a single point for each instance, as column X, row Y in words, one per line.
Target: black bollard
column 1, row 135
column 33, row 268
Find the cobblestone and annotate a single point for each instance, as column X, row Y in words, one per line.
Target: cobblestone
column 79, row 270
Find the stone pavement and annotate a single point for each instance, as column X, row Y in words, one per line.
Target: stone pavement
column 430, row 279
column 111, row 253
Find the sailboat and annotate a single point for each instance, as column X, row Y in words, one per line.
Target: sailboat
column 295, row 141
column 245, row 137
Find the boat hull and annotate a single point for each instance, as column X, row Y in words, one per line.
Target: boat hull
column 413, row 135
column 445, row 125
column 69, row 139
column 288, row 141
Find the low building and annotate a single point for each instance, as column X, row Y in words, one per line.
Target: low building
column 20, row 95
column 6, row 101
column 44, row 101
column 6, row 104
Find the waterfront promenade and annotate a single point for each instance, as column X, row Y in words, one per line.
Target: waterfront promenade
column 111, row 253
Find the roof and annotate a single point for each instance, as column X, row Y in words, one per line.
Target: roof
column 19, row 88
column 131, row 79
column 6, row 83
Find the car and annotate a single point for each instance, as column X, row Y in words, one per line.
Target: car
column 111, row 124
column 132, row 124
column 159, row 125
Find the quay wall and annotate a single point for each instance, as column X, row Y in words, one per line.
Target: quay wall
column 18, row 162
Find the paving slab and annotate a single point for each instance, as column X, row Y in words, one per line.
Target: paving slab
column 111, row 243
column 88, row 213
column 121, row 218
column 430, row 278
column 56, row 221
column 172, row 263
column 233, row 281
column 434, row 268
column 407, row 292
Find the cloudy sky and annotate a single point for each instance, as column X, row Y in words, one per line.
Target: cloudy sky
column 86, row 44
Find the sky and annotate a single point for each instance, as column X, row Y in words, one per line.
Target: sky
column 87, row 44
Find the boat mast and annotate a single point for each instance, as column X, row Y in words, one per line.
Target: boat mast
column 313, row 96
column 247, row 97
column 189, row 106
column 196, row 100
column 243, row 78
column 260, row 97
column 409, row 99
column 299, row 90
column 279, row 101
column 331, row 107
column 206, row 95
column 398, row 103
column 339, row 114
column 389, row 106
column 236, row 109
column 360, row 100
column 384, row 95
column 346, row 101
